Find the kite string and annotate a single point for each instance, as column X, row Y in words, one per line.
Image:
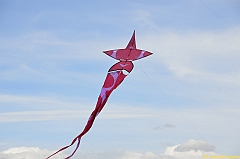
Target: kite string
column 149, row 15
column 156, row 86
column 160, row 89
column 204, row 4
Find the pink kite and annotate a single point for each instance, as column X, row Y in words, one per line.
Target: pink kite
column 115, row 76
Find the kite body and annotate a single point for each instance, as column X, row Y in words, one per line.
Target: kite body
column 116, row 74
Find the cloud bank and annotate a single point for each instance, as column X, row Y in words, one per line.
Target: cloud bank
column 27, row 153
column 192, row 149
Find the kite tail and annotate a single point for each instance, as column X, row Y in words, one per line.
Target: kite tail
column 86, row 129
column 58, row 151
column 79, row 139
column 74, row 140
column 115, row 79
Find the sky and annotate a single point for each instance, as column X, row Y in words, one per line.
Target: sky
column 182, row 102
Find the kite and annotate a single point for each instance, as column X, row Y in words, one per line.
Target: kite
column 116, row 74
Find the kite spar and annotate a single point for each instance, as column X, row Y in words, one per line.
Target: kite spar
column 115, row 76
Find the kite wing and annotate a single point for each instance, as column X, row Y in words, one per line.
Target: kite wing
column 116, row 74
column 130, row 53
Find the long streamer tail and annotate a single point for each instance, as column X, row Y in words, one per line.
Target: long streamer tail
column 74, row 140
column 113, row 80
column 79, row 139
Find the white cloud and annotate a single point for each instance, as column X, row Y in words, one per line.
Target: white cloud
column 198, row 55
column 193, row 151
column 27, row 153
column 195, row 145
column 171, row 153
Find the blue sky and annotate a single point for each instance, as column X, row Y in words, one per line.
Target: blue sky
column 185, row 95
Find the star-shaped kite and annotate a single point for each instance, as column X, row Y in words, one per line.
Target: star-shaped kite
column 116, row 74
